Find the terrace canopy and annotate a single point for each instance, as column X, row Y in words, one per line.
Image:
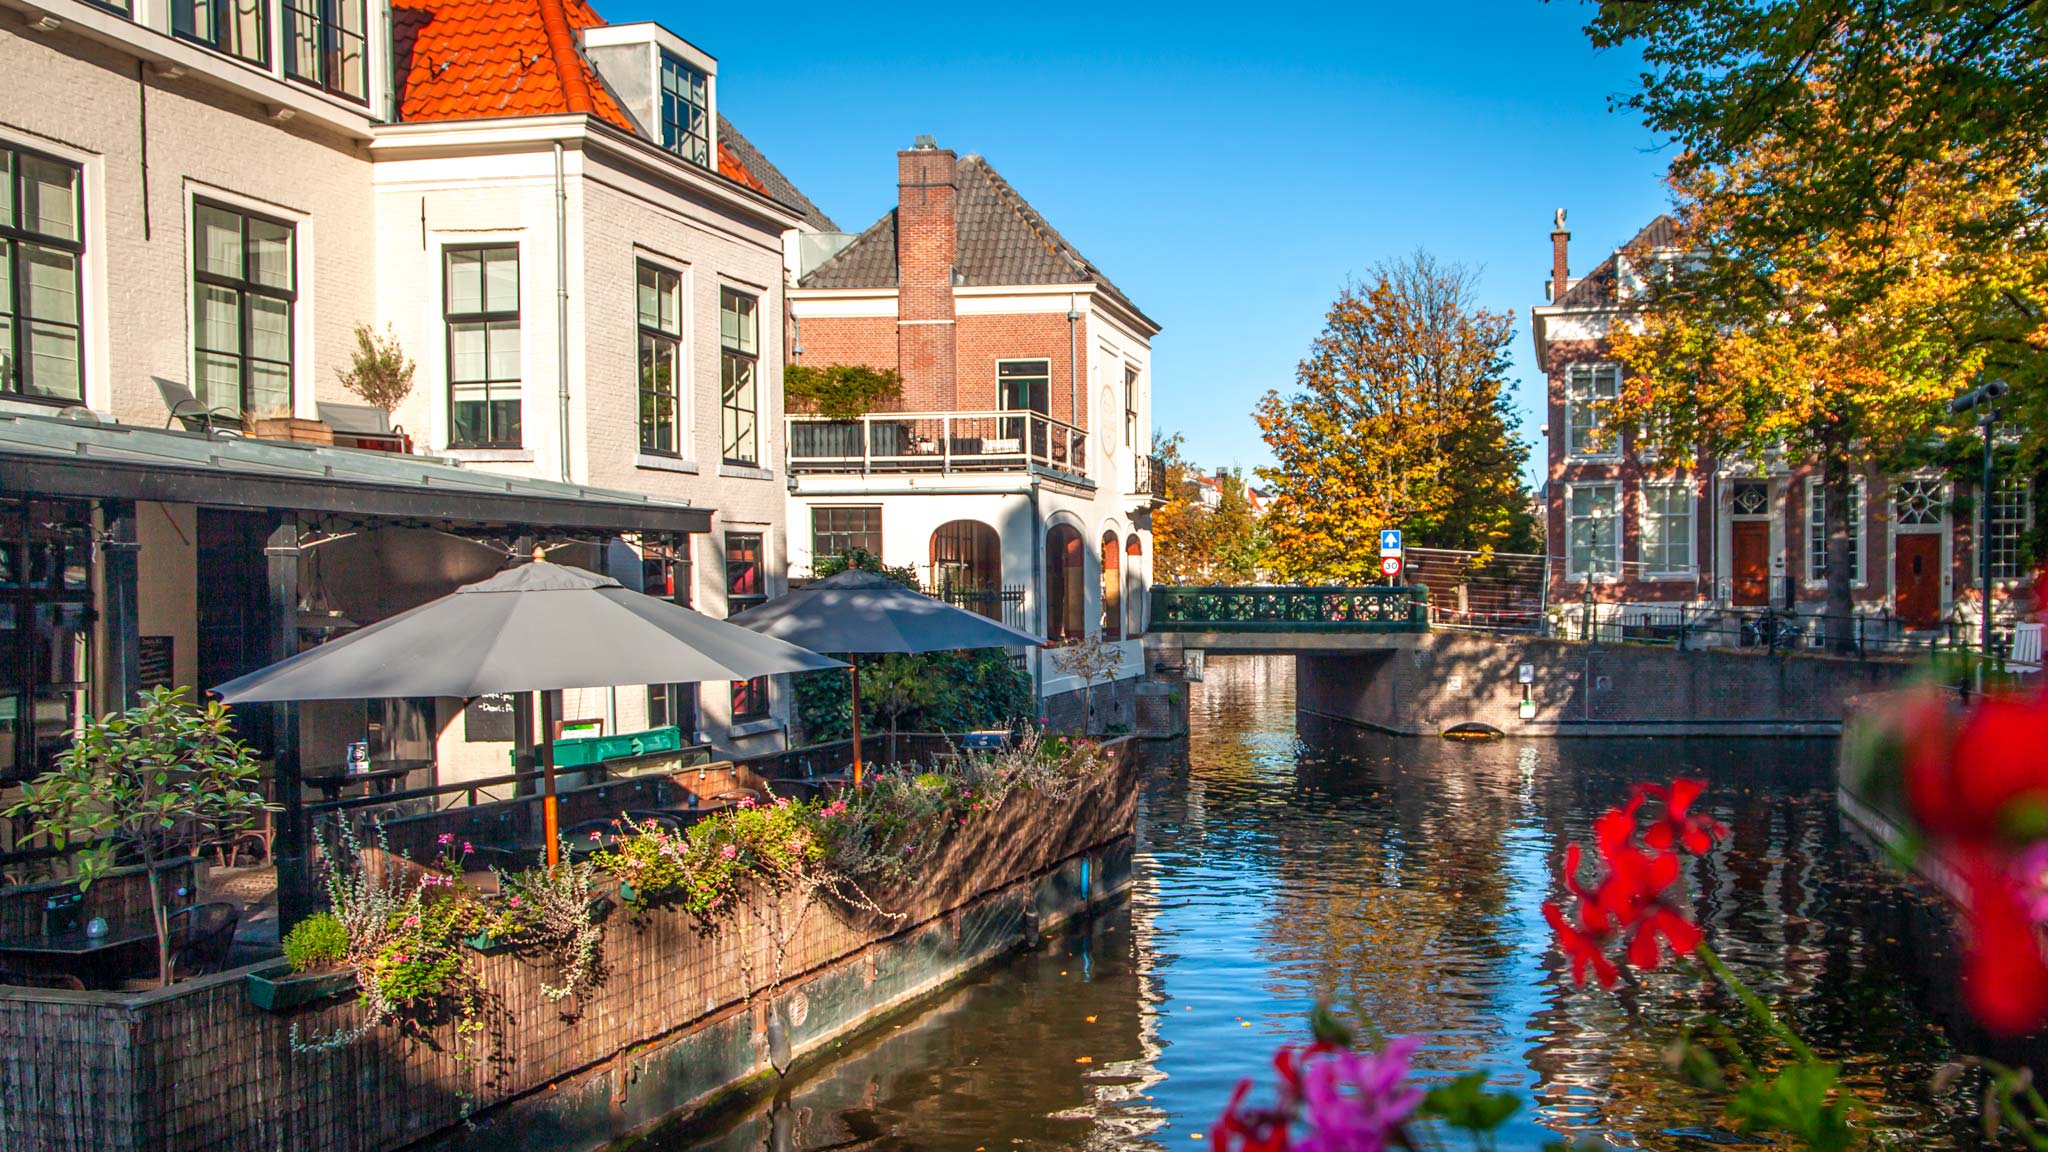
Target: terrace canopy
column 856, row 611
column 539, row 627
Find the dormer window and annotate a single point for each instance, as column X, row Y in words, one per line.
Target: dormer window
column 685, row 110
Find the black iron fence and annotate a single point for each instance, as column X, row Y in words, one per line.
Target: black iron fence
column 1772, row 630
column 1283, row 609
column 1005, row 604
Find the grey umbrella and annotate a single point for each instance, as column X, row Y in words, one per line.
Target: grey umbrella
column 535, row 628
column 858, row 611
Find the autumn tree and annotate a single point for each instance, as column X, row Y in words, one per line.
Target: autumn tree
column 1193, row 542
column 1401, row 420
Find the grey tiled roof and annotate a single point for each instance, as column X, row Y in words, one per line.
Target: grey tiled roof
column 1596, row 288
column 1002, row 240
column 779, row 187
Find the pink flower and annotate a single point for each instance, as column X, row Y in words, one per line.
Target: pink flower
column 445, row 839
column 515, row 901
column 399, row 957
column 1355, row 1102
column 728, row 852
column 412, row 921
column 746, row 801
column 466, row 849
column 596, row 836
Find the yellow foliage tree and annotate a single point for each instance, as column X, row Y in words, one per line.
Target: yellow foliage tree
column 1193, row 543
column 1839, row 347
column 1401, row 420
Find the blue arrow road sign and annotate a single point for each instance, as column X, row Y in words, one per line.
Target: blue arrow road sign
column 1390, row 541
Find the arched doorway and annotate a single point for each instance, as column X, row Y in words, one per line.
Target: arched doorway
column 967, row 566
column 1134, row 587
column 1066, row 588
column 1112, row 587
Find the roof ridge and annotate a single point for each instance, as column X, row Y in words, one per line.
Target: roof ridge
column 568, row 61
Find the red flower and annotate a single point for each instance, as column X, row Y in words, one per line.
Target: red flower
column 2004, row 976
column 1584, row 949
column 1680, row 827
column 1971, row 784
column 1250, row 1130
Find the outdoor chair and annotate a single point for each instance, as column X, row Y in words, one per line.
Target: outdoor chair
column 204, row 935
column 250, row 845
column 189, row 410
column 364, row 426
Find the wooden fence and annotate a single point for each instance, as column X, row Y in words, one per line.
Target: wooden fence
column 197, row 1066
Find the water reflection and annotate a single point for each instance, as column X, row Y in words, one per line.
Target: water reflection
column 1280, row 862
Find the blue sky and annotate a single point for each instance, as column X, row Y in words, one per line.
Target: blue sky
column 1229, row 168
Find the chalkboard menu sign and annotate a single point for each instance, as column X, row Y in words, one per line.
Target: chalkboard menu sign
column 488, row 719
column 157, row 668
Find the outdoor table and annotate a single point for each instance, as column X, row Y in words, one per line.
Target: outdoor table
column 99, row 961
column 384, row 777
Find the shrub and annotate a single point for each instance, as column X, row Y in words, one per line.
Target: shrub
column 550, row 908
column 839, row 391
column 316, row 942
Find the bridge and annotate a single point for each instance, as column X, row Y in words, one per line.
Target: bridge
column 1262, row 618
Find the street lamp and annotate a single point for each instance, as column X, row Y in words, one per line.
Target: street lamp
column 1983, row 399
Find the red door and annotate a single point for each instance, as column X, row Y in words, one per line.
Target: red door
column 1750, row 559
column 1916, row 577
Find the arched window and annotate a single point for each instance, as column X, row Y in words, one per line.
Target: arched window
column 1066, row 587
column 1134, row 587
column 1112, row 587
column 967, row 566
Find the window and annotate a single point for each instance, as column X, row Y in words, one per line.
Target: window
column 243, row 267
column 1112, row 587
column 41, row 241
column 967, row 567
column 1589, row 394
column 739, row 352
column 47, row 608
column 1130, row 407
column 1919, row 502
column 236, row 27
column 324, row 45
column 1065, row 593
column 745, row 573
column 685, row 111
column 1024, row 384
column 1817, row 536
column 2012, row 512
column 665, row 572
column 836, row 531
column 482, row 305
column 661, row 360
column 1594, row 531
column 673, row 706
column 1665, row 547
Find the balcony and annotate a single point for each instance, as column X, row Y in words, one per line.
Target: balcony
column 1149, row 480
column 941, row 442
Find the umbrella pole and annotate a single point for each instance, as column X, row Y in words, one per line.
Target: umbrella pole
column 549, row 820
column 855, row 667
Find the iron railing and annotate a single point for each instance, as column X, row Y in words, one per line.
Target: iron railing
column 1005, row 604
column 1773, row 631
column 1014, row 441
column 1283, row 609
column 1151, row 478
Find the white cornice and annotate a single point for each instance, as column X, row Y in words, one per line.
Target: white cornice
column 172, row 56
column 475, row 137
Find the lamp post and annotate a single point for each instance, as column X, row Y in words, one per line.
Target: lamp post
column 1983, row 399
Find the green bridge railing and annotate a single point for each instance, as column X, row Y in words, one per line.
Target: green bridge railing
column 1283, row 609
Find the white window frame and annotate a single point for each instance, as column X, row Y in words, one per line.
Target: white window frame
column 1572, row 571
column 1592, row 372
column 1690, row 570
column 1859, row 516
column 2019, row 529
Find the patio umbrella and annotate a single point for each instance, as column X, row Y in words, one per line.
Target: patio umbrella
column 858, row 611
column 536, row 628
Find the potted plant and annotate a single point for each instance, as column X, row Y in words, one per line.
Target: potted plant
column 315, row 966
column 379, row 372
column 557, row 910
column 159, row 780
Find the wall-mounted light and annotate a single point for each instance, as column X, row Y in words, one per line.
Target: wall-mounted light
column 45, row 23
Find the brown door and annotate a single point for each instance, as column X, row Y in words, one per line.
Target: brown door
column 1916, row 577
column 1751, row 561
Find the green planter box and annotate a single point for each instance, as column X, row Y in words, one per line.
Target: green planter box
column 277, row 988
column 600, row 907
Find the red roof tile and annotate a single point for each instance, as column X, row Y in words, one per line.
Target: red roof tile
column 729, row 166
column 476, row 59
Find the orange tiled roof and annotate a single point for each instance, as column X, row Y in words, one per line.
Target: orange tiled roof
column 730, row 167
column 476, row 59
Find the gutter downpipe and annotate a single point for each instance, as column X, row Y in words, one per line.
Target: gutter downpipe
column 562, row 304
column 1073, row 362
column 1037, row 592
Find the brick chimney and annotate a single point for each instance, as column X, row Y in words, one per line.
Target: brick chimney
column 927, row 239
column 1560, row 266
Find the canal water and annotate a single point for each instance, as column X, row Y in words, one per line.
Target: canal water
column 1281, row 860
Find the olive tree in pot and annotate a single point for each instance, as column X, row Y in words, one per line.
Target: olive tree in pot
column 159, row 780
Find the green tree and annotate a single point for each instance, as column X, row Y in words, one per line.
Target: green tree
column 1400, row 419
column 840, row 391
column 1193, row 543
column 379, row 372
column 159, row 780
